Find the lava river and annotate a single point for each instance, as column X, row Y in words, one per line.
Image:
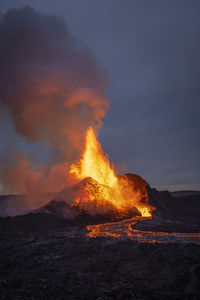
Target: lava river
column 125, row 229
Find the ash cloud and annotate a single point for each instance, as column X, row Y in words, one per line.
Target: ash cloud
column 53, row 89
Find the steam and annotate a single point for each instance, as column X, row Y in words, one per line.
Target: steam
column 53, row 89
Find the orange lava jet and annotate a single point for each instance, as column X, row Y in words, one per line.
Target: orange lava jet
column 94, row 163
column 118, row 193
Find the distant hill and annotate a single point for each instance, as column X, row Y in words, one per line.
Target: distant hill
column 13, row 205
column 185, row 193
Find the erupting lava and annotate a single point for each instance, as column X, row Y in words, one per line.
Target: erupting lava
column 95, row 164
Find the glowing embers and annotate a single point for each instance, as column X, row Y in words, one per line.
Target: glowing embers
column 106, row 190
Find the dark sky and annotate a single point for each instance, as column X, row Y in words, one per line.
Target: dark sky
column 151, row 52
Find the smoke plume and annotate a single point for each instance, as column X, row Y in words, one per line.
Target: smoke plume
column 53, row 89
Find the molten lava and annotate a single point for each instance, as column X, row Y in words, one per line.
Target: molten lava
column 95, row 164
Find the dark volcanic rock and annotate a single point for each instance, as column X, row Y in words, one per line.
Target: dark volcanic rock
column 185, row 209
column 55, row 266
column 32, row 222
column 58, row 208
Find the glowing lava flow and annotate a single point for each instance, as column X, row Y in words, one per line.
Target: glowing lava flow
column 95, row 164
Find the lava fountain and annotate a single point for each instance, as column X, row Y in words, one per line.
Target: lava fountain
column 94, row 163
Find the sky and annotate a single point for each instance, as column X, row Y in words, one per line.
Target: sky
column 151, row 53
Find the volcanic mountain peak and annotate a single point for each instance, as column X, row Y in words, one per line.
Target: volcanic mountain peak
column 88, row 187
column 90, row 197
column 88, row 183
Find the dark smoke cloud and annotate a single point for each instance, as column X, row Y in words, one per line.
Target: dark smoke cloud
column 53, row 89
